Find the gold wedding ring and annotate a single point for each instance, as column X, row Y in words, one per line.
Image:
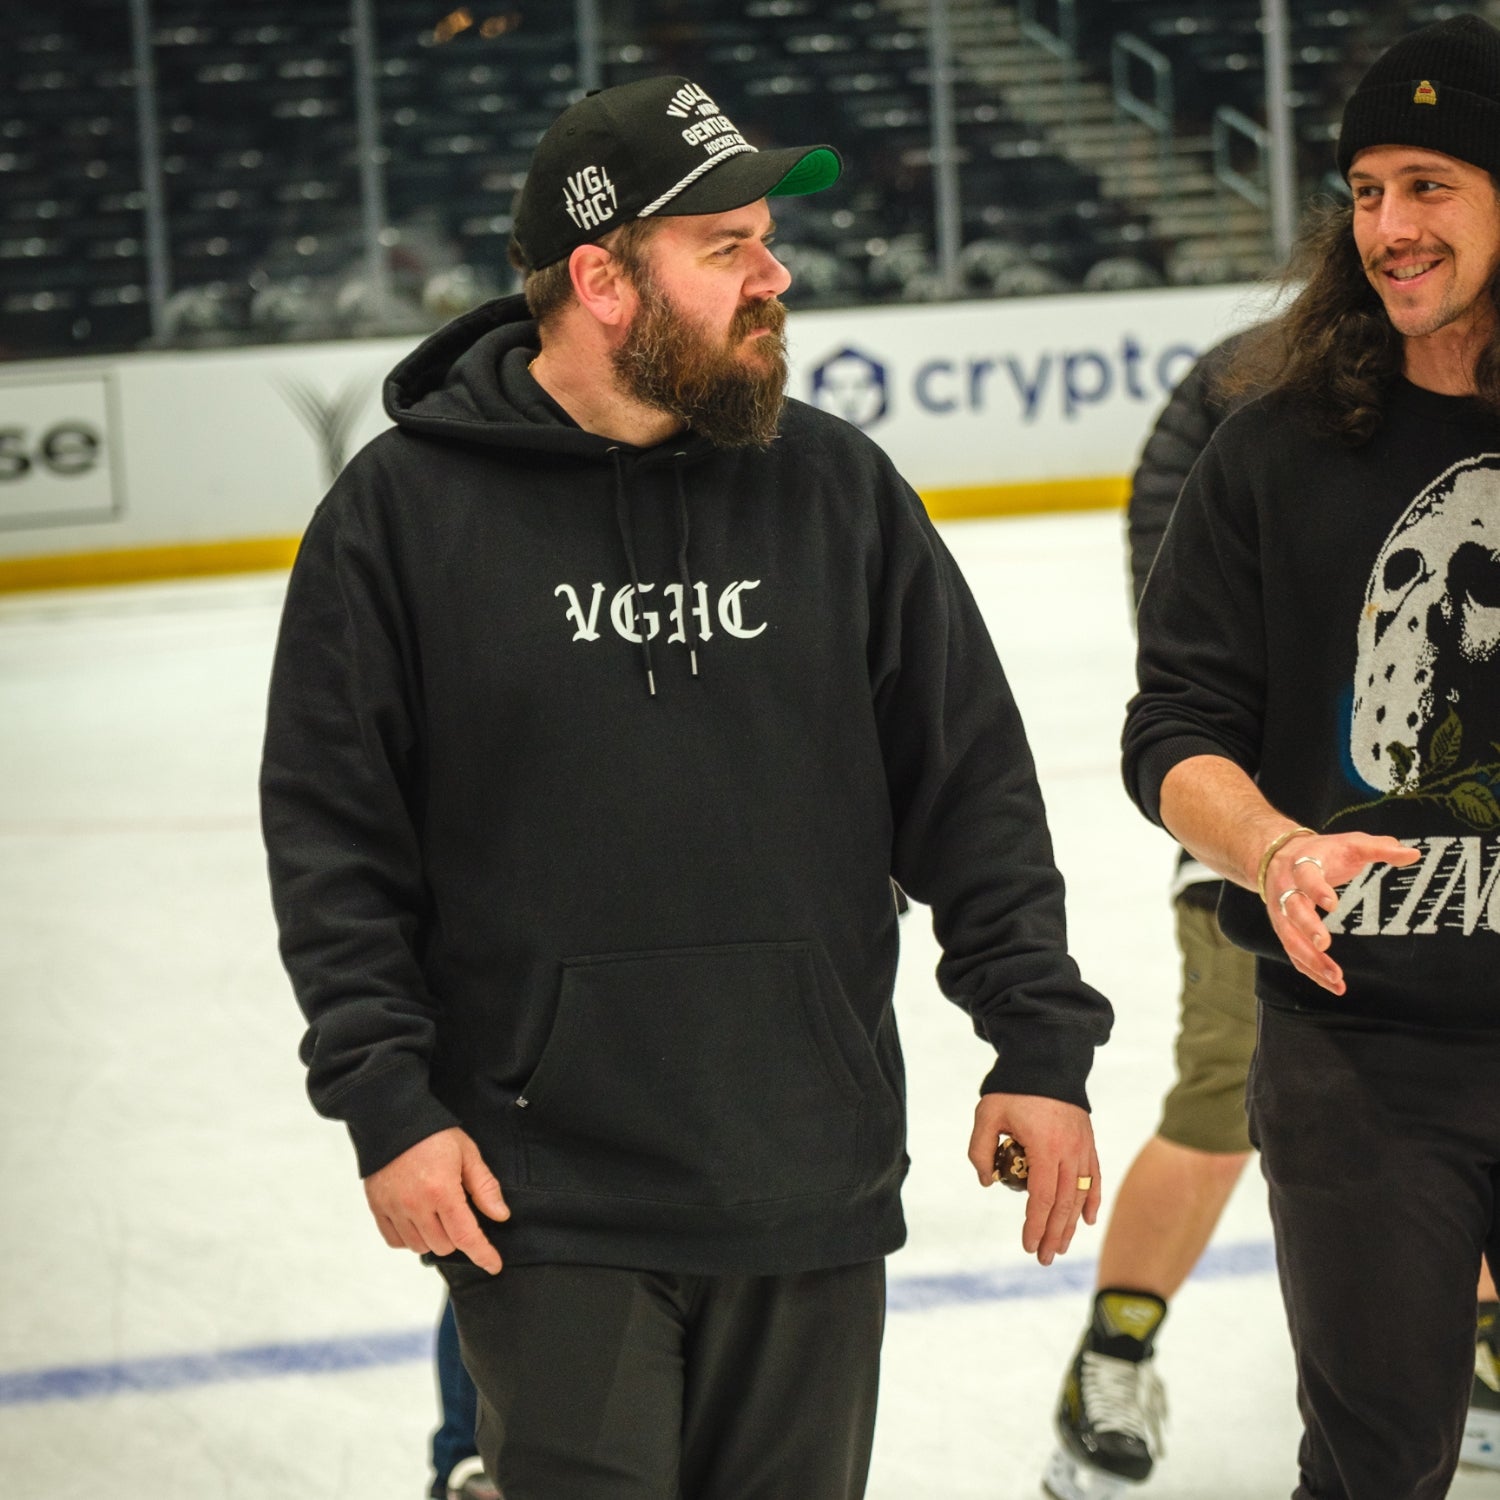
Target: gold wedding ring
column 1085, row 1183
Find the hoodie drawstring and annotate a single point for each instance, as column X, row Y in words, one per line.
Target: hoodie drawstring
column 689, row 633
column 627, row 538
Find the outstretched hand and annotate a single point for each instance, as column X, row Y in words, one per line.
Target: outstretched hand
column 1059, row 1142
column 419, row 1199
column 1302, row 883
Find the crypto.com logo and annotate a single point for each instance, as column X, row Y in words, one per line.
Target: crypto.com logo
column 853, row 386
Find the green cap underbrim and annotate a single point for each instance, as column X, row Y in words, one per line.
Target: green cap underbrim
column 817, row 170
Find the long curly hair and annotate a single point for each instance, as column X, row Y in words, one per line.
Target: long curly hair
column 1333, row 351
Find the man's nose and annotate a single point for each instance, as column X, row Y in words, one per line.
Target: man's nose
column 770, row 278
column 1396, row 223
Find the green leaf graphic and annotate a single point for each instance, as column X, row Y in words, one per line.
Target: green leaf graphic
column 1447, row 741
column 1402, row 757
column 1475, row 804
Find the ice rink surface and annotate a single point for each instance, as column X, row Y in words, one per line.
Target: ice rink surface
column 194, row 1303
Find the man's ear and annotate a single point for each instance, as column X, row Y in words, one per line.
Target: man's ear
column 601, row 285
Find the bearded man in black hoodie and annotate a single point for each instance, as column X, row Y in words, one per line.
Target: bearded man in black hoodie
column 613, row 690
column 1320, row 650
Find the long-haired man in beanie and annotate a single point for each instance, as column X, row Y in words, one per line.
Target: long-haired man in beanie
column 613, row 691
column 1319, row 720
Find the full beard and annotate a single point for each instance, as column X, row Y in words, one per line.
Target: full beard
column 671, row 364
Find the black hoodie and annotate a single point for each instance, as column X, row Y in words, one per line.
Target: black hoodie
column 641, row 944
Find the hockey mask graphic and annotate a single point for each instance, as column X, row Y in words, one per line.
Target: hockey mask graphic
column 1429, row 634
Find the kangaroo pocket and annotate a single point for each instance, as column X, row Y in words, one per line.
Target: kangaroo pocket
column 695, row 1076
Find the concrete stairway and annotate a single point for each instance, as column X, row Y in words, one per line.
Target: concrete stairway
column 1210, row 232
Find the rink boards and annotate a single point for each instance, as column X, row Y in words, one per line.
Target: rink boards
column 175, row 463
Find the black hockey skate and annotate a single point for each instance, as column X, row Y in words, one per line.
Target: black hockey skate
column 1112, row 1409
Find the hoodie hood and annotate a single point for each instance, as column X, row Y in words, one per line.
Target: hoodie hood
column 470, row 382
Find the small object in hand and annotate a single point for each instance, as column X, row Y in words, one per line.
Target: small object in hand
column 1010, row 1164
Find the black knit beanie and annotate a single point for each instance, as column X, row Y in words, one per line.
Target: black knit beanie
column 1438, row 88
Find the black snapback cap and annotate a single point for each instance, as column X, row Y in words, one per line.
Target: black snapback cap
column 656, row 146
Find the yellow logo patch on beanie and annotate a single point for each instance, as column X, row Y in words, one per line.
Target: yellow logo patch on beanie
column 1425, row 94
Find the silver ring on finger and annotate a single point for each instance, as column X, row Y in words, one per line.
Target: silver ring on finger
column 1308, row 859
column 1287, row 894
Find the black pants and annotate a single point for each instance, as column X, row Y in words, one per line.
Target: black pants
column 1382, row 1151
column 605, row 1384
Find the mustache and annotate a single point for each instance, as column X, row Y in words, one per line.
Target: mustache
column 1384, row 258
column 770, row 314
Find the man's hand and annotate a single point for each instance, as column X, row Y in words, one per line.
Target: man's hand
column 1301, row 884
column 1218, row 814
column 1059, row 1142
column 418, row 1199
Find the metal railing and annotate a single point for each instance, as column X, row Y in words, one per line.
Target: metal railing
column 1158, row 112
column 1229, row 124
column 153, row 194
column 1060, row 39
column 1281, row 164
column 947, row 210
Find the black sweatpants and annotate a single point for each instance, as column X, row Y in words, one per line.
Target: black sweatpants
column 1381, row 1147
column 603, row 1384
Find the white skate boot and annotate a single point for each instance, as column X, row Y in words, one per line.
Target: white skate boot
column 1481, row 1444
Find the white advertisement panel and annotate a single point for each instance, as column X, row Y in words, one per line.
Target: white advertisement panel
column 991, row 393
column 217, row 458
column 193, row 450
column 57, row 453
column 245, row 443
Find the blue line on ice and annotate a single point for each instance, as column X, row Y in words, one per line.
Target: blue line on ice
column 169, row 1372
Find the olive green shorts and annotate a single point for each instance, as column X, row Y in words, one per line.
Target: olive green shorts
column 1205, row 1107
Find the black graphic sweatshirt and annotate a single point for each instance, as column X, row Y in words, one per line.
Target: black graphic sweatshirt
column 1328, row 618
column 632, row 927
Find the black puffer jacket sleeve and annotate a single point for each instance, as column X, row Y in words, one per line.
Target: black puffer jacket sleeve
column 1181, row 433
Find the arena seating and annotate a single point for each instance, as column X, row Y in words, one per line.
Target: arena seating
column 263, row 206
